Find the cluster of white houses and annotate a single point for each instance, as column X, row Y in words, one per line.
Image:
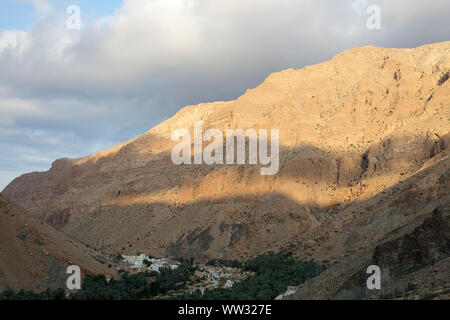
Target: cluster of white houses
column 205, row 278
column 150, row 263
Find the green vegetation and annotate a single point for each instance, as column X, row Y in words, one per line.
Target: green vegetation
column 411, row 287
column 118, row 257
column 429, row 296
column 133, row 287
column 128, row 287
column 23, row 235
column 58, row 294
column 386, row 296
column 273, row 274
column 226, row 263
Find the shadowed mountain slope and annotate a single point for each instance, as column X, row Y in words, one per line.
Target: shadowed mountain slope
column 34, row 256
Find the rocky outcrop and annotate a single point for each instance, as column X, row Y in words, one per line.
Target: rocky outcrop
column 425, row 246
column 370, row 239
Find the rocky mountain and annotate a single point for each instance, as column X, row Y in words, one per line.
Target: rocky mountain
column 413, row 265
column 34, row 256
column 364, row 159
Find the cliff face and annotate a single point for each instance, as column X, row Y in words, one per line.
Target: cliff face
column 414, row 264
column 403, row 263
column 363, row 151
column 428, row 243
column 34, row 256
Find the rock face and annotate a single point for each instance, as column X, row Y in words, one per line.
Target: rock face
column 363, row 152
column 427, row 244
column 34, row 256
column 411, row 253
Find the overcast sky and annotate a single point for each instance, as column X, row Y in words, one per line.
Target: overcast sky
column 134, row 63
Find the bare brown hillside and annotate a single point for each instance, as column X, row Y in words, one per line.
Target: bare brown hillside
column 34, row 256
column 364, row 151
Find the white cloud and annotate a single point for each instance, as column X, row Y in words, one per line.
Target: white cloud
column 158, row 41
column 43, row 7
column 15, row 43
column 360, row 6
